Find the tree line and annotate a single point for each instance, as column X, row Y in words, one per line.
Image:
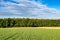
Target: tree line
column 27, row 22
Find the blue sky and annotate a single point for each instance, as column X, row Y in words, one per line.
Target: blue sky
column 52, row 3
column 49, row 9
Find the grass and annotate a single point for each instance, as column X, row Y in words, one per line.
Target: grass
column 29, row 34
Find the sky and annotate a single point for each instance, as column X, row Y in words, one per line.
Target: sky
column 44, row 9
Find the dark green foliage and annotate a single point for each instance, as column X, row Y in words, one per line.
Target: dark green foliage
column 26, row 22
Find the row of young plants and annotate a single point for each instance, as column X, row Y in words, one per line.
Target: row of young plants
column 27, row 22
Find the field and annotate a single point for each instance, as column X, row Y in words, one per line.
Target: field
column 30, row 33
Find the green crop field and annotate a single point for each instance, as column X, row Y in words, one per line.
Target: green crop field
column 29, row 34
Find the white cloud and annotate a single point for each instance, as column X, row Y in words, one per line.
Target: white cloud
column 27, row 8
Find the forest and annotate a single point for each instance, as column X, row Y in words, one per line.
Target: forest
column 28, row 22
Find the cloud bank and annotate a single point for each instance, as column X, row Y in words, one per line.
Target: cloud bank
column 27, row 8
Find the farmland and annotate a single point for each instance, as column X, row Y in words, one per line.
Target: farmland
column 29, row 33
